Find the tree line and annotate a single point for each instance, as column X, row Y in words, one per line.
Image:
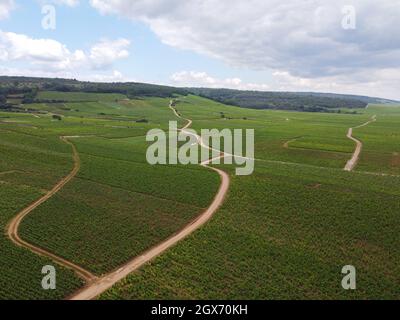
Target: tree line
column 311, row 102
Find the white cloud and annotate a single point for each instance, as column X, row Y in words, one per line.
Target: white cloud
column 15, row 46
column 114, row 76
column 51, row 55
column 202, row 79
column 69, row 3
column 5, row 7
column 106, row 52
column 303, row 38
column 375, row 84
column 188, row 78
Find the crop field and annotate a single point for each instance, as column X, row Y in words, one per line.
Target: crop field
column 79, row 96
column 22, row 180
column 381, row 141
column 117, row 195
column 198, row 151
column 315, row 138
column 284, row 232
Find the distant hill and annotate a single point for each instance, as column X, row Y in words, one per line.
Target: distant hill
column 18, row 85
column 27, row 88
column 351, row 96
column 300, row 101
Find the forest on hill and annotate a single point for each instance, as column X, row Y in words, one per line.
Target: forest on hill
column 299, row 101
column 15, row 91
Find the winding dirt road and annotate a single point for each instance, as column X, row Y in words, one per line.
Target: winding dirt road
column 351, row 164
column 7, row 172
column 12, row 229
column 104, row 283
column 286, row 145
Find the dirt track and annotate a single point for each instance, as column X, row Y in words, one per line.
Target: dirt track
column 351, row 164
column 7, row 172
column 104, row 283
column 12, row 229
column 287, row 143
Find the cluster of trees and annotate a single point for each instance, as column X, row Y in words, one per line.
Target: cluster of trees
column 3, row 99
column 29, row 96
column 130, row 89
column 14, row 90
column 311, row 102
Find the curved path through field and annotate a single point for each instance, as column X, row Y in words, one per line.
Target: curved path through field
column 286, row 145
column 351, row 164
column 104, row 283
column 12, row 229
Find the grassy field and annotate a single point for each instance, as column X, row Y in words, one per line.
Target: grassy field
column 284, row 232
column 116, row 194
column 23, row 180
column 79, row 96
column 321, row 138
column 287, row 231
column 381, row 141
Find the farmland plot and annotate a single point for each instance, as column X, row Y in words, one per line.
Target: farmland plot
column 24, row 180
column 285, row 233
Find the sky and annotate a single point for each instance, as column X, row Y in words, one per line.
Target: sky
column 341, row 46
